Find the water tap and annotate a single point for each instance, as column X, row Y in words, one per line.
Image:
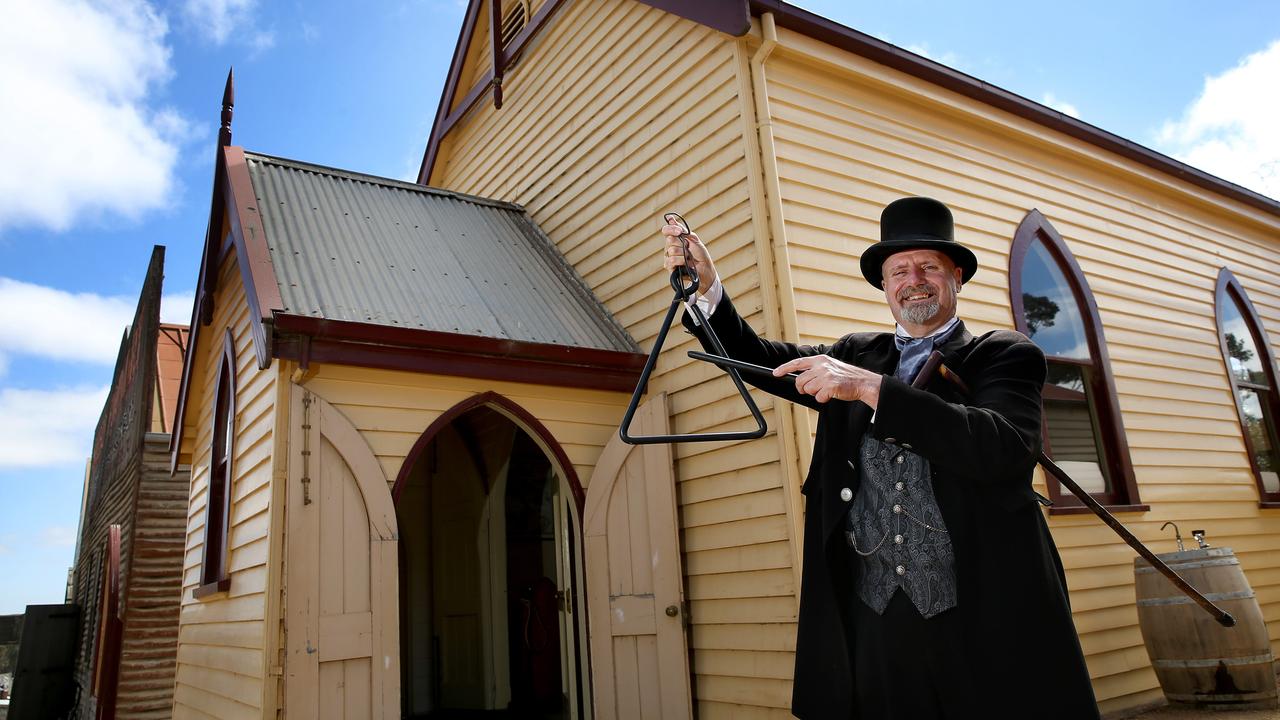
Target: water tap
column 1176, row 533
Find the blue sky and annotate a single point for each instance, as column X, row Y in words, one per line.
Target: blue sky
column 109, row 112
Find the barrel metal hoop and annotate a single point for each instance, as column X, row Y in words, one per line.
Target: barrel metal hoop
column 1184, row 600
column 1190, row 565
column 1213, row 662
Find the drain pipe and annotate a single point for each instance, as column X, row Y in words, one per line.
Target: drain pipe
column 777, row 228
column 777, row 299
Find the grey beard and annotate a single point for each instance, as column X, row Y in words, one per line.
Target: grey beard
column 922, row 313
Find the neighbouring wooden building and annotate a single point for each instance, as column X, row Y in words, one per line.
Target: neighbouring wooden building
column 129, row 551
column 401, row 403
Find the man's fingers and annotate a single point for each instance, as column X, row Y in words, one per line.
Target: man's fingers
column 793, row 365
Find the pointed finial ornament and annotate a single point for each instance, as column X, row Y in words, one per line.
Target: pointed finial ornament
column 228, row 107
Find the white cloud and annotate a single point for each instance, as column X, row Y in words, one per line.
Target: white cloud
column 310, row 32
column 217, row 20
column 176, row 308
column 4, row 365
column 79, row 136
column 52, row 323
column 56, row 536
column 60, row 325
column 263, row 41
column 1231, row 129
column 48, row 427
column 1061, row 106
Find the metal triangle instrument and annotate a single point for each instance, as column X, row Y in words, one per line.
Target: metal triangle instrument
column 684, row 280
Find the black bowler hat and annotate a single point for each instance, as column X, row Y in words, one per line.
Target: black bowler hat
column 916, row 223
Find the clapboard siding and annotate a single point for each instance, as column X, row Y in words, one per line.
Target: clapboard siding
column 852, row 136
column 392, row 409
column 220, row 666
column 666, row 124
column 642, row 128
column 150, row 636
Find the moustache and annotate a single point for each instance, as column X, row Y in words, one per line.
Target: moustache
column 926, row 288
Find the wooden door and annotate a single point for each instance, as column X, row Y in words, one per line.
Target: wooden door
column 639, row 655
column 341, row 626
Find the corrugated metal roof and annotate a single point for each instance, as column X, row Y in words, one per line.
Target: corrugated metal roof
column 360, row 248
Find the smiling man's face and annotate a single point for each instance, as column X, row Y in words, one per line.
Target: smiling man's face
column 921, row 288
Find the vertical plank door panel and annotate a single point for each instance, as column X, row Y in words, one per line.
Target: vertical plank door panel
column 635, row 596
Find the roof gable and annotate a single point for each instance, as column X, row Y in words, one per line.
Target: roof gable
column 457, row 98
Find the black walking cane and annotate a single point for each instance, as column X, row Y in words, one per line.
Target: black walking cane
column 685, row 293
column 935, row 364
column 1223, row 617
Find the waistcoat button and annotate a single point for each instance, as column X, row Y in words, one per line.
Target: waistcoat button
column 846, row 494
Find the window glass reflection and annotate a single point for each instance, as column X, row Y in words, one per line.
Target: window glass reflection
column 1257, row 426
column 1049, row 308
column 1246, row 363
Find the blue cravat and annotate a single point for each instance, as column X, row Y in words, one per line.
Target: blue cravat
column 915, row 351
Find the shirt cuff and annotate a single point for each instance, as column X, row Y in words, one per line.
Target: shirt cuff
column 708, row 301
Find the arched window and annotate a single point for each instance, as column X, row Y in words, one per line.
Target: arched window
column 213, row 570
column 1053, row 306
column 1251, row 368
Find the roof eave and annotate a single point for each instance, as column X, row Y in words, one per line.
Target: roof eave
column 233, row 196
column 832, row 33
column 311, row 339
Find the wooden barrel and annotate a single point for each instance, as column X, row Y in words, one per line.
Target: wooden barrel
column 1197, row 660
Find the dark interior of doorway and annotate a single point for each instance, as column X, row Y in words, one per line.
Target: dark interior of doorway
column 486, row 441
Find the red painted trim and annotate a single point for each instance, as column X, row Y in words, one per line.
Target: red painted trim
column 233, row 197
column 522, row 418
column 256, row 271
column 1124, row 486
column 351, row 343
column 321, row 328
column 531, row 29
column 213, row 568
column 495, row 46
column 211, row 588
column 450, row 88
column 1229, row 290
column 731, row 17
column 845, row 38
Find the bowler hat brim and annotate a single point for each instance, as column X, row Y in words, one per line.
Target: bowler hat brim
column 873, row 259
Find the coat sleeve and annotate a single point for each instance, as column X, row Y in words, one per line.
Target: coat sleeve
column 742, row 343
column 993, row 438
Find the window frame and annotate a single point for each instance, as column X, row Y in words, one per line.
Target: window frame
column 214, row 577
column 1117, row 464
column 1229, row 289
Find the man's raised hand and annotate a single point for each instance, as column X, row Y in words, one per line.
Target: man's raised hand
column 697, row 258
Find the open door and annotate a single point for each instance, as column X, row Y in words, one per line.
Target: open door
column 639, row 654
column 343, row 656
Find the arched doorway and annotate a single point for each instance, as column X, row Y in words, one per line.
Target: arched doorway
column 491, row 574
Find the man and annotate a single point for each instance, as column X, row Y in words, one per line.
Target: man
column 931, row 586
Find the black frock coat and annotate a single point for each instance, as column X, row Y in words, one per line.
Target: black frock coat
column 1025, row 658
